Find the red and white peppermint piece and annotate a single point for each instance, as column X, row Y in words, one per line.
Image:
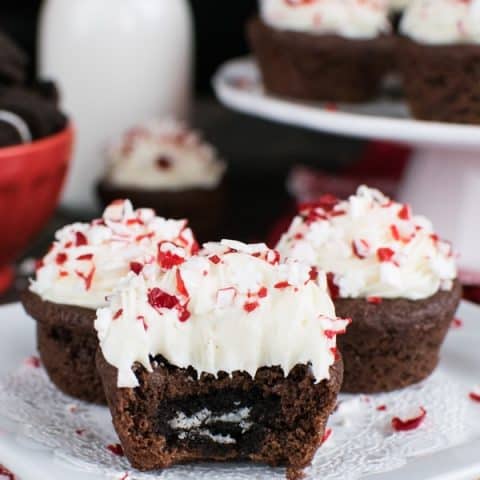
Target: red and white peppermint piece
column 457, row 323
column 116, row 449
column 361, row 248
column 6, row 474
column 409, row 423
column 226, row 297
column 475, row 394
column 327, row 435
column 33, row 362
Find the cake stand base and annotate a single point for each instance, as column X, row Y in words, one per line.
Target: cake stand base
column 444, row 185
column 6, row 278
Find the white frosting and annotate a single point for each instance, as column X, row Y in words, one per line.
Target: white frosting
column 373, row 247
column 348, row 18
column 442, row 21
column 86, row 261
column 231, row 308
column 164, row 155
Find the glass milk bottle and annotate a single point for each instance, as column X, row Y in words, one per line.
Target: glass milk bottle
column 116, row 62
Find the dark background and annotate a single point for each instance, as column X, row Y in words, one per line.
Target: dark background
column 219, row 30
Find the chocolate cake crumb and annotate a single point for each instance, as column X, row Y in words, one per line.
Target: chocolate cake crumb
column 295, row 474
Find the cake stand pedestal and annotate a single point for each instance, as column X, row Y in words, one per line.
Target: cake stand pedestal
column 443, row 178
column 444, row 184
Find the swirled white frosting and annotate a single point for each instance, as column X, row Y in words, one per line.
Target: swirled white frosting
column 372, row 247
column 164, row 155
column 347, row 18
column 442, row 21
column 233, row 307
column 87, row 260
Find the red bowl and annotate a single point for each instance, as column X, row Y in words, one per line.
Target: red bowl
column 31, row 180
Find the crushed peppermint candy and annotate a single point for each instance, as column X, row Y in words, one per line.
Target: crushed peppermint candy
column 116, row 449
column 457, row 323
column 475, row 394
column 33, row 362
column 410, row 423
column 372, row 247
column 6, row 474
column 83, row 265
column 327, row 435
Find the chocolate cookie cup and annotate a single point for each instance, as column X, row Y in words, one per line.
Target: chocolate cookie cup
column 391, row 274
column 67, row 343
column 229, row 356
column 396, row 342
column 205, row 209
column 77, row 275
column 442, row 82
column 271, row 419
column 320, row 67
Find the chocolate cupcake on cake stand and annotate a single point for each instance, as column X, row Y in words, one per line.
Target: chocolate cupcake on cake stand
column 391, row 274
column 331, row 50
column 439, row 121
column 166, row 166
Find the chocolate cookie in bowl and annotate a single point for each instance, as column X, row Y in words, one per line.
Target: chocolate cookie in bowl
column 80, row 272
column 29, row 114
column 230, row 356
column 165, row 165
column 29, row 111
column 323, row 50
column 390, row 272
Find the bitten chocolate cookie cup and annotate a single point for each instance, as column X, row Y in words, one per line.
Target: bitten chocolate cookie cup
column 204, row 209
column 175, row 417
column 442, row 82
column 395, row 343
column 67, row 343
column 320, row 67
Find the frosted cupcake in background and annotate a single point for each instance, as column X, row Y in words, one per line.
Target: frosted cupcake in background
column 439, row 55
column 387, row 270
column 166, row 166
column 80, row 272
column 328, row 50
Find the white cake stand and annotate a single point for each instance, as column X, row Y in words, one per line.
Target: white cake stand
column 443, row 178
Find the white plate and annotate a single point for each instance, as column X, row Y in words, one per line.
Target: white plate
column 238, row 85
column 460, row 361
